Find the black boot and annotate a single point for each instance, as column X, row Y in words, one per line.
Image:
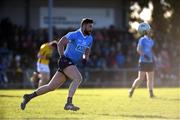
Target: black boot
column 26, row 99
column 151, row 94
column 131, row 91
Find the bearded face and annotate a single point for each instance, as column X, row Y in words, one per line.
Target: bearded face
column 87, row 28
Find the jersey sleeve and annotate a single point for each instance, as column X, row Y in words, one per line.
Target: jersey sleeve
column 42, row 50
column 71, row 36
column 140, row 43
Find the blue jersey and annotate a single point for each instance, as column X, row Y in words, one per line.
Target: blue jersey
column 77, row 45
column 146, row 44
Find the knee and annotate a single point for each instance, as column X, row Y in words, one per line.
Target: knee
column 78, row 79
column 139, row 79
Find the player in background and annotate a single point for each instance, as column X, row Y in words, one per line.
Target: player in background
column 77, row 43
column 42, row 76
column 146, row 59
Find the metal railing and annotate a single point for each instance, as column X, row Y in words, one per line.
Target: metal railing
column 95, row 78
column 125, row 78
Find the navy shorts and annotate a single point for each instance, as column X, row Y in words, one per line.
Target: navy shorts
column 63, row 63
column 146, row 67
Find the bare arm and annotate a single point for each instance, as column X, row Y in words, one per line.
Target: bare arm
column 139, row 50
column 41, row 56
column 142, row 53
column 61, row 44
column 87, row 53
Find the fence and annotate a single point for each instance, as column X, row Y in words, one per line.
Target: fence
column 96, row 78
column 125, row 78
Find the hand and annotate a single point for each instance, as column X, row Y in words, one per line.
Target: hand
column 62, row 56
column 146, row 57
column 84, row 62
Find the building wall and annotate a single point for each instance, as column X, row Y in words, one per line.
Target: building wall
column 17, row 10
column 14, row 9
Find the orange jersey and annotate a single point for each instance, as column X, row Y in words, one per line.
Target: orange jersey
column 46, row 52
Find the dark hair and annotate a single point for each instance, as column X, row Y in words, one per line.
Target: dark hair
column 86, row 21
column 53, row 43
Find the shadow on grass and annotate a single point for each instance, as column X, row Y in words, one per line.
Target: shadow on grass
column 149, row 116
column 41, row 118
column 138, row 116
column 87, row 95
column 10, row 96
column 168, row 99
column 102, row 115
column 133, row 116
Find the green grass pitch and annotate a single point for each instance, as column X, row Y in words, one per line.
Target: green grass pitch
column 95, row 104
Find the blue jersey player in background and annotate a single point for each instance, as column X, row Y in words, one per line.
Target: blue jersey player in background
column 78, row 44
column 146, row 59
